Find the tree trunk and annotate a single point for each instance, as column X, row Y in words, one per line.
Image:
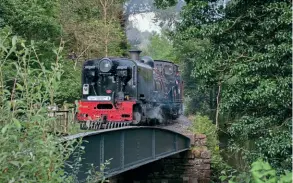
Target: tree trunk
column 218, row 104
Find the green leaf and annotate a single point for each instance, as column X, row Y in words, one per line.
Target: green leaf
column 14, row 39
column 17, row 123
column 22, row 44
column 4, row 129
column 15, row 163
column 19, row 87
column 222, row 178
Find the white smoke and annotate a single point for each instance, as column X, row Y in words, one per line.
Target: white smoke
column 156, row 113
column 184, row 108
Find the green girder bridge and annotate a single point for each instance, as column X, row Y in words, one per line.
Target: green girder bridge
column 127, row 148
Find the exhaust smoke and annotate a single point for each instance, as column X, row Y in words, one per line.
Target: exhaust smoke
column 156, row 113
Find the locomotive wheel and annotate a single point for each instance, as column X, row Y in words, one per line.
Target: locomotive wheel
column 137, row 115
column 174, row 115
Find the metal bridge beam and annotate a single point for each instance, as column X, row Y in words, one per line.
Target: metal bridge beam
column 128, row 148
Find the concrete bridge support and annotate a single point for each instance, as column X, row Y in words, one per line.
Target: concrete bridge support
column 192, row 166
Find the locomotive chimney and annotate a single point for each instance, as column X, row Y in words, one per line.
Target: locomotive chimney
column 134, row 54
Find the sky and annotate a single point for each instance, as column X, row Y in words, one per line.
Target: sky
column 144, row 22
column 140, row 24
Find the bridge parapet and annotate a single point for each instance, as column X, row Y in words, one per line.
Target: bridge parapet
column 127, row 148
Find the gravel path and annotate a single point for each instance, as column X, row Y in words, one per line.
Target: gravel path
column 180, row 125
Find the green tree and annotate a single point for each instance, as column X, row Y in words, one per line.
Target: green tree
column 160, row 47
column 86, row 29
column 33, row 20
column 28, row 152
column 31, row 150
column 93, row 27
column 248, row 64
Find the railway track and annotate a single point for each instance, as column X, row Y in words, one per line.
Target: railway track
column 90, row 125
column 179, row 125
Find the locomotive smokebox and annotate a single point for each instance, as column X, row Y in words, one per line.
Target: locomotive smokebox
column 134, row 54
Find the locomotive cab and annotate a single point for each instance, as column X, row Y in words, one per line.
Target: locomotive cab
column 172, row 103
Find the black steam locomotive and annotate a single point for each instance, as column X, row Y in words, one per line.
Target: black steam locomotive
column 129, row 91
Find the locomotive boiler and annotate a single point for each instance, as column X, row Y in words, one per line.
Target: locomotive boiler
column 118, row 92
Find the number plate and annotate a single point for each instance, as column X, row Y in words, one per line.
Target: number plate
column 101, row 98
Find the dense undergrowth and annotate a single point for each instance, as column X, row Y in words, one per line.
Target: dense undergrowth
column 258, row 172
column 202, row 124
column 236, row 62
column 30, row 150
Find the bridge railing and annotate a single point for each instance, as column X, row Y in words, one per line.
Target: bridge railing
column 126, row 148
column 64, row 118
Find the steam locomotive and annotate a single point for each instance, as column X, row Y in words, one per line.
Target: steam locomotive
column 119, row 92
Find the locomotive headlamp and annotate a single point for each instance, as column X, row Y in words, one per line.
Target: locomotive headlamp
column 105, row 65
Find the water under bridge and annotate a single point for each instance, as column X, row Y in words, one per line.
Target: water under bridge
column 127, row 148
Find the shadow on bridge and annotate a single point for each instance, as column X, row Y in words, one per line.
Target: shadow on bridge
column 128, row 148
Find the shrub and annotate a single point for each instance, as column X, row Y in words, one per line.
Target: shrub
column 29, row 153
column 260, row 172
column 30, row 150
column 202, row 124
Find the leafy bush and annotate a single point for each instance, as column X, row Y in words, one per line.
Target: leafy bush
column 248, row 60
column 260, row 172
column 202, row 124
column 29, row 153
column 30, row 150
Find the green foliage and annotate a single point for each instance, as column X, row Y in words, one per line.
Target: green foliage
column 258, row 89
column 200, row 99
column 91, row 29
column 94, row 28
column 245, row 49
column 25, row 63
column 203, row 125
column 97, row 177
column 165, row 3
column 69, row 88
column 86, row 27
column 160, row 48
column 34, row 20
column 260, row 172
column 33, row 76
column 30, row 150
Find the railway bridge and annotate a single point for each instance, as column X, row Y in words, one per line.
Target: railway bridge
column 128, row 148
